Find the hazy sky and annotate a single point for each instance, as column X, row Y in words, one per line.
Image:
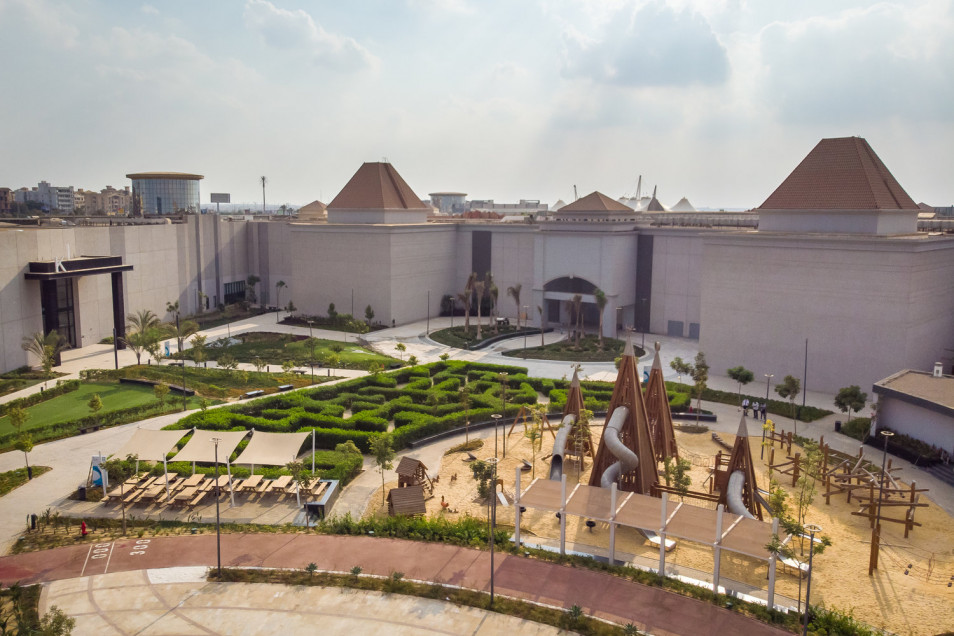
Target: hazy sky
column 505, row 99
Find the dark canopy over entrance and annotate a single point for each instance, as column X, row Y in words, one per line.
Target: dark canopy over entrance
column 56, row 285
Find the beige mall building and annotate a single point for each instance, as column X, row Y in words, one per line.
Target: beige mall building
column 836, row 260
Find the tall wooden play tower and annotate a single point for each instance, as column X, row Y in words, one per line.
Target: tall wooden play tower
column 581, row 441
column 634, row 433
column 741, row 460
column 660, row 417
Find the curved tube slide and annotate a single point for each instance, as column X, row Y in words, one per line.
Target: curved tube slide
column 733, row 495
column 559, row 447
column 626, row 459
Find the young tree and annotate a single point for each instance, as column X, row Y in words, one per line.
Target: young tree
column 368, row 315
column 788, row 389
column 483, row 474
column 95, row 405
column 279, row 286
column 383, row 453
column 534, row 433
column 300, row 477
column 227, row 361
column 514, row 292
column 401, row 348
column 24, row 444
column 681, row 367
column 576, row 309
column 851, row 398
column 581, row 436
column 198, row 349
column 250, row 296
column 182, row 332
column 290, row 308
column 333, row 360
column 464, row 393
column 601, row 301
column 676, row 472
column 700, row 375
column 479, row 287
column 161, row 391
column 741, row 375
column 492, row 295
column 46, row 348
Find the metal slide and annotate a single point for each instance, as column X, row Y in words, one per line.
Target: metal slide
column 559, row 447
column 733, row 495
column 626, row 459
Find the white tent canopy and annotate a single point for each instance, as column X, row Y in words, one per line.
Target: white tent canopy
column 272, row 449
column 150, row 446
column 201, row 449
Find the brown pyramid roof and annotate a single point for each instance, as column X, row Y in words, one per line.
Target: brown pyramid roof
column 634, row 434
column 741, row 459
column 660, row 417
column 377, row 186
column 406, row 501
column 595, row 202
column 840, row 174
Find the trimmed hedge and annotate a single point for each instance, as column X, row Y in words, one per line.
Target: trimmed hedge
column 62, row 387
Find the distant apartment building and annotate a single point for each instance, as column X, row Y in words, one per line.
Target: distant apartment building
column 52, row 198
column 6, row 200
column 525, row 206
column 108, row 201
column 449, row 202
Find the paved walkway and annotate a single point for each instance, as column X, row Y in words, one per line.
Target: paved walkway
column 601, row 595
column 181, row 601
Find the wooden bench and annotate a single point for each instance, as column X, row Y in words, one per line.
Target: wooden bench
column 252, row 394
column 286, row 387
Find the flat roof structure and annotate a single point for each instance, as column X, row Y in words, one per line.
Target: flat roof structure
column 921, row 389
column 188, row 176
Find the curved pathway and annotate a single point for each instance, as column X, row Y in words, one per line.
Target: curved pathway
column 600, row 595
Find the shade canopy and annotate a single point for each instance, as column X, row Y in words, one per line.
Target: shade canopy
column 150, row 446
column 201, row 449
column 272, row 449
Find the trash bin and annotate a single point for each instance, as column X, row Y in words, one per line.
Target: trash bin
column 81, row 492
column 837, row 426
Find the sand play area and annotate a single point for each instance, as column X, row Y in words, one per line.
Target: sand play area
column 902, row 599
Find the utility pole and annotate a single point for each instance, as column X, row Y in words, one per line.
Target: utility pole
column 264, row 180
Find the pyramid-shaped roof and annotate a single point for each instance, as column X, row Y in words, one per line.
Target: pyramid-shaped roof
column 634, row 434
column 660, row 417
column 595, row 202
column 377, row 186
column 683, row 206
column 840, row 174
column 741, row 460
column 581, row 441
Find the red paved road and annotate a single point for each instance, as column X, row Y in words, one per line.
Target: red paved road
column 601, row 595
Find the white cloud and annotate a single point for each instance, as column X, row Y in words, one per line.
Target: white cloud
column 860, row 65
column 53, row 24
column 148, row 9
column 650, row 46
column 296, row 30
column 447, row 6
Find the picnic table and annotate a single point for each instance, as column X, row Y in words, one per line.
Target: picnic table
column 252, row 483
column 185, row 495
column 194, row 480
column 152, row 492
column 317, row 487
column 222, row 482
column 279, row 484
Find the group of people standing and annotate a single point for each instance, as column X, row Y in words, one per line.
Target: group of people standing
column 758, row 410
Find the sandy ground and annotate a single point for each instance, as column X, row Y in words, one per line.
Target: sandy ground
column 919, row 602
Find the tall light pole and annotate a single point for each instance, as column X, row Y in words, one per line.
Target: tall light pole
column 493, row 525
column 218, row 534
column 427, row 330
column 876, row 533
column 182, row 361
column 812, row 529
column 768, row 378
column 503, row 409
column 311, row 341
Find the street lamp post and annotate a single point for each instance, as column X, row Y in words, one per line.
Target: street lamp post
column 503, row 409
column 496, row 417
column 427, row 330
column 493, row 526
column 182, row 361
column 768, row 378
column 311, row 340
column 812, row 529
column 218, row 534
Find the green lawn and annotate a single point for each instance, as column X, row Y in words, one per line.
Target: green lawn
column 275, row 348
column 589, row 351
column 21, row 378
column 74, row 405
column 464, row 338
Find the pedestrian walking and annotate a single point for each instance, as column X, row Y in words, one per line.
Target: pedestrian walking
column 763, row 412
column 745, row 407
column 755, row 410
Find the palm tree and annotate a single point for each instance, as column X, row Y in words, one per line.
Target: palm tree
column 576, row 305
column 514, row 292
column 142, row 320
column 45, row 347
column 479, row 287
column 186, row 329
column 464, row 299
column 493, row 293
column 278, row 293
column 264, row 180
column 143, row 329
column 600, row 296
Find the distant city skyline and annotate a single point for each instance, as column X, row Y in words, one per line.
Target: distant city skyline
column 713, row 101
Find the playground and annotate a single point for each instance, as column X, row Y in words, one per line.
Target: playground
column 907, row 593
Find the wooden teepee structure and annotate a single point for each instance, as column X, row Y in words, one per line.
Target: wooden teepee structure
column 581, row 441
column 660, row 417
column 741, row 459
column 634, row 433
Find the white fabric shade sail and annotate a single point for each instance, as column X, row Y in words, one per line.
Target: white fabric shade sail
column 272, row 449
column 200, row 448
column 150, row 446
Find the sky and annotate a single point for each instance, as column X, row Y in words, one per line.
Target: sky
column 714, row 100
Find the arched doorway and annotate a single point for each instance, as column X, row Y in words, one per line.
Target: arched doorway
column 558, row 294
